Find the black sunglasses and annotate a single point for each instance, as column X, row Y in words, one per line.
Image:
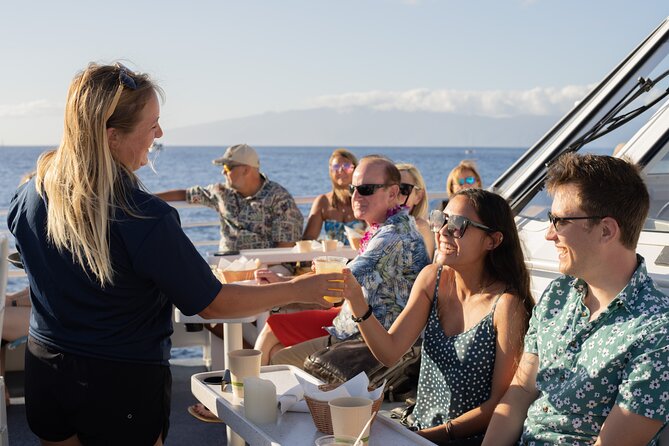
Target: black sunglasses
column 555, row 221
column 406, row 188
column 124, row 80
column 366, row 189
column 456, row 225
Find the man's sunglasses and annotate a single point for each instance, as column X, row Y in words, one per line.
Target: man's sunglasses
column 346, row 167
column 406, row 188
column 456, row 225
column 366, row 189
column 555, row 221
column 227, row 168
column 468, row 180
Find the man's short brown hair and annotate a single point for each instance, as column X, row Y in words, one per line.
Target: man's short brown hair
column 608, row 187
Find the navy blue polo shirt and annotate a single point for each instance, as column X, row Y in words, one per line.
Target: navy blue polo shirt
column 155, row 265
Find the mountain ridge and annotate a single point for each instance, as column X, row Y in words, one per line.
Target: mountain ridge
column 360, row 127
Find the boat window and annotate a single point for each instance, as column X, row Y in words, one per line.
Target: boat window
column 612, row 122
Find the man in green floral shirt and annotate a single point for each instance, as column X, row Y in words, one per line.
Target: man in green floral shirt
column 254, row 211
column 596, row 363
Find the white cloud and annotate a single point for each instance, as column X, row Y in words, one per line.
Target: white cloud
column 30, row 109
column 493, row 103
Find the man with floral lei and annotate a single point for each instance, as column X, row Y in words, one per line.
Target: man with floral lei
column 392, row 253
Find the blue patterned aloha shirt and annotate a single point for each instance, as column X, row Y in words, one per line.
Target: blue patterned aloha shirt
column 585, row 368
column 259, row 221
column 386, row 271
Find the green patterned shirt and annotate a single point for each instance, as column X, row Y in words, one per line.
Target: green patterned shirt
column 585, row 368
column 259, row 221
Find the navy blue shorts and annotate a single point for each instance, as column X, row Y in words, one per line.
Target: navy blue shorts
column 102, row 402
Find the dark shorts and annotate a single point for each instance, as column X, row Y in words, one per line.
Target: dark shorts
column 103, row 402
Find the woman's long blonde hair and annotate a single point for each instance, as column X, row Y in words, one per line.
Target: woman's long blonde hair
column 341, row 197
column 80, row 180
column 420, row 209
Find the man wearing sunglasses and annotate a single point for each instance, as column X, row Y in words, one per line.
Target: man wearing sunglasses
column 254, row 211
column 392, row 255
column 595, row 366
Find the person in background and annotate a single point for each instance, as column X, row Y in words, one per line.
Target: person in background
column 463, row 176
column 106, row 261
column 254, row 211
column 392, row 253
column 594, row 371
column 473, row 305
column 413, row 194
column 332, row 211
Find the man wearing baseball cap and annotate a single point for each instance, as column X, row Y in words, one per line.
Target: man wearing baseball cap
column 254, row 211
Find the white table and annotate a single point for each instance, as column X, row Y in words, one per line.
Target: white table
column 291, row 428
column 271, row 256
column 232, row 334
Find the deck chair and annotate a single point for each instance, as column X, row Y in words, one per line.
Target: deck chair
column 4, row 266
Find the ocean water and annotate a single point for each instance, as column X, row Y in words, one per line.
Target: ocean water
column 301, row 170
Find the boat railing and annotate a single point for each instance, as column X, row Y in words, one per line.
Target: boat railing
column 435, row 197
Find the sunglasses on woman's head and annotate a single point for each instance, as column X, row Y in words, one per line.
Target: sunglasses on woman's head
column 456, row 225
column 346, row 167
column 468, row 180
column 124, row 80
column 365, row 189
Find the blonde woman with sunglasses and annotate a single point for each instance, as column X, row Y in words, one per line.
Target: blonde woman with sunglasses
column 473, row 305
column 332, row 211
column 106, row 261
column 413, row 194
column 463, row 176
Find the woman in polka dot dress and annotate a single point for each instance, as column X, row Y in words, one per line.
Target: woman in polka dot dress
column 474, row 304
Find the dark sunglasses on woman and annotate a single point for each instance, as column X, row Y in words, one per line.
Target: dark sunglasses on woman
column 406, row 188
column 456, row 225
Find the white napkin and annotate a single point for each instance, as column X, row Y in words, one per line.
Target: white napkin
column 293, row 399
column 239, row 264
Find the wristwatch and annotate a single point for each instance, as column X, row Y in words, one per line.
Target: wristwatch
column 364, row 317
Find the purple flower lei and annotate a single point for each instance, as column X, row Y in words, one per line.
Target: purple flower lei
column 371, row 230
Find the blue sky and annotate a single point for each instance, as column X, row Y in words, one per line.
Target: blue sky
column 227, row 59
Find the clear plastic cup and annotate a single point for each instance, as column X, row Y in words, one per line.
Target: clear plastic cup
column 331, row 440
column 330, row 264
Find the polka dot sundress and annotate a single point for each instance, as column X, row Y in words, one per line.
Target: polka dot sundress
column 456, row 371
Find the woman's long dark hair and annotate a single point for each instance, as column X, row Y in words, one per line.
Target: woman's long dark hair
column 505, row 263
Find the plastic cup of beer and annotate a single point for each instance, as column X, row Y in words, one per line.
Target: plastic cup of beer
column 330, row 264
column 243, row 363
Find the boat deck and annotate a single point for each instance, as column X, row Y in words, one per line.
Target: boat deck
column 184, row 429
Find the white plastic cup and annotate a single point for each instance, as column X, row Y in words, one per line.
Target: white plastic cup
column 303, row 246
column 329, row 245
column 243, row 364
column 349, row 416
